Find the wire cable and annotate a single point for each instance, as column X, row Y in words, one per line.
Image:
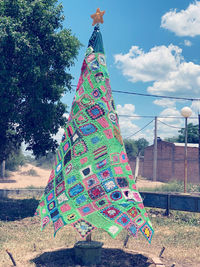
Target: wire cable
column 152, row 95
column 153, row 116
column 169, row 125
column 160, row 96
column 139, row 130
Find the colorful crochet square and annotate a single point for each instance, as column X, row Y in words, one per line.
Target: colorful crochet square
column 91, row 183
column 83, row 227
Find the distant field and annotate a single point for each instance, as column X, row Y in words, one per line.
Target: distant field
column 31, row 176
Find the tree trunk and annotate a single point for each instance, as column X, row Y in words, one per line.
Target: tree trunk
column 137, row 165
column 2, row 169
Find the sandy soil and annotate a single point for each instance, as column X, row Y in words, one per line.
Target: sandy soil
column 23, row 179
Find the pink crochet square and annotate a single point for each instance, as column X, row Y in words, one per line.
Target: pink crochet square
column 118, row 170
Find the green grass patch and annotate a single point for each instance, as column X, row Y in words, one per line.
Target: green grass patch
column 174, row 186
column 176, row 217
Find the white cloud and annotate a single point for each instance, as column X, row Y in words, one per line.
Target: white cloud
column 168, row 127
column 170, row 112
column 58, row 136
column 183, row 23
column 127, row 109
column 187, row 43
column 184, row 81
column 196, row 106
column 127, row 127
column 151, row 66
column 164, row 102
column 165, row 67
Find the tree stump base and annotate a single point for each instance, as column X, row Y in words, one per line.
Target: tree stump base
column 88, row 252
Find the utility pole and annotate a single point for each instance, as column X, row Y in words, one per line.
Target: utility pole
column 155, row 152
column 186, row 112
column 199, row 145
column 185, row 158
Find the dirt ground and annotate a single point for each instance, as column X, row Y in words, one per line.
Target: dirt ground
column 178, row 233
column 23, row 179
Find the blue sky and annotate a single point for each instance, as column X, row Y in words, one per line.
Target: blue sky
column 151, row 47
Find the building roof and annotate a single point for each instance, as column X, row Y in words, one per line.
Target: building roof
column 188, row 144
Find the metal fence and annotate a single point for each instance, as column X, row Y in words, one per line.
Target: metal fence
column 167, row 201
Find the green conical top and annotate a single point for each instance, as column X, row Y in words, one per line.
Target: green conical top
column 96, row 41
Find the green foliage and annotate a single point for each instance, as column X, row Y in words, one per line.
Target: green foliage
column 173, row 139
column 29, row 159
column 174, row 186
column 35, row 57
column 131, row 148
column 15, row 159
column 46, row 162
column 141, row 143
column 193, row 134
column 135, row 148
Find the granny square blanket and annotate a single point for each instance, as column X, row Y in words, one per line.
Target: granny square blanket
column 91, row 184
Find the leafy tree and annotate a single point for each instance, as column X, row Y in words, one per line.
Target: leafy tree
column 36, row 54
column 46, row 161
column 135, row 148
column 131, row 148
column 15, row 159
column 173, row 139
column 141, row 143
column 193, row 134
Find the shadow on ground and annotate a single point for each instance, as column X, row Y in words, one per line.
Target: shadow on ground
column 110, row 257
column 16, row 209
column 7, row 181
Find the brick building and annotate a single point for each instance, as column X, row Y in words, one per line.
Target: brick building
column 170, row 164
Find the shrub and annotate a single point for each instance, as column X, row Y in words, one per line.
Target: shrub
column 15, row 159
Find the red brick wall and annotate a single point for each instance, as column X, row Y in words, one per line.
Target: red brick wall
column 170, row 164
column 148, row 163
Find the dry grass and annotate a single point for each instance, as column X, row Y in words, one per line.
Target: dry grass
column 20, row 234
column 30, row 247
column 20, row 231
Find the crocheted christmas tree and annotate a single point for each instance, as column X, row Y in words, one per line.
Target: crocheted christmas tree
column 91, row 184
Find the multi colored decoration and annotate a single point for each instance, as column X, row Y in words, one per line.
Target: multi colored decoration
column 91, row 184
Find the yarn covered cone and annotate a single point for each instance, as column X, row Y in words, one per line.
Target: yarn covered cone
column 91, row 184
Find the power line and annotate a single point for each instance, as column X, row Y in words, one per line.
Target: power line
column 139, row 130
column 169, row 125
column 160, row 96
column 153, row 116
column 136, row 116
column 152, row 95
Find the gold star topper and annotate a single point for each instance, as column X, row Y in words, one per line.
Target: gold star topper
column 97, row 17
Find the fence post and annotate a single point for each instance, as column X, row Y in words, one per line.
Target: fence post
column 168, row 205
